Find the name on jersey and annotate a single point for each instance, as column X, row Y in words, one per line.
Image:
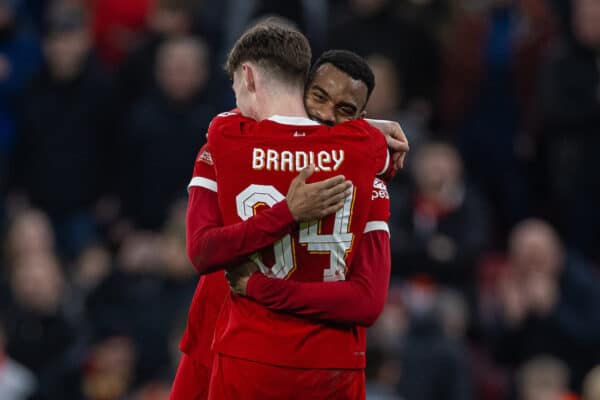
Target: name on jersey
column 274, row 160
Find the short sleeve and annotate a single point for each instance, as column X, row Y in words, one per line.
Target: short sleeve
column 379, row 210
column 378, row 145
column 204, row 171
column 383, row 157
column 221, row 130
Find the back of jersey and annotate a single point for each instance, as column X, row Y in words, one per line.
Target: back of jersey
column 255, row 163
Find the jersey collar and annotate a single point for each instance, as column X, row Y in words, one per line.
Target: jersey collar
column 299, row 121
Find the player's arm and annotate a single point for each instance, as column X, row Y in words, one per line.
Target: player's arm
column 396, row 140
column 356, row 301
column 212, row 246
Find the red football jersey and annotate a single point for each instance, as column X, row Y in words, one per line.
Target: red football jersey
column 212, row 288
column 255, row 163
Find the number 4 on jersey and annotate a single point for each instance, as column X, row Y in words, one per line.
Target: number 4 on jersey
column 336, row 244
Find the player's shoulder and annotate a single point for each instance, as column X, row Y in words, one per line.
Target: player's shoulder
column 360, row 130
column 370, row 138
column 357, row 127
column 203, row 167
column 228, row 122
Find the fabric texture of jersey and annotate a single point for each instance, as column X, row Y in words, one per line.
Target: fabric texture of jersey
column 255, row 163
column 234, row 378
column 191, row 380
column 284, row 296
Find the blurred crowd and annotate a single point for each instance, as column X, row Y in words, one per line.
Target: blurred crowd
column 495, row 223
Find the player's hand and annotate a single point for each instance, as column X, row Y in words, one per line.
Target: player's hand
column 238, row 277
column 310, row 201
column 395, row 138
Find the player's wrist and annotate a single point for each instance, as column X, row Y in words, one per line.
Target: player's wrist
column 252, row 285
column 285, row 212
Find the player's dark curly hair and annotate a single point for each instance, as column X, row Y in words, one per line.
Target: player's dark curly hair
column 349, row 63
column 280, row 49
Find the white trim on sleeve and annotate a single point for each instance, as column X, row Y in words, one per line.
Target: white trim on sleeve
column 199, row 181
column 387, row 163
column 377, row 226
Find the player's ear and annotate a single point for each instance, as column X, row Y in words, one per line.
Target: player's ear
column 363, row 114
column 249, row 77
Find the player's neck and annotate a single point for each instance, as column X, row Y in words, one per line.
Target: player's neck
column 284, row 103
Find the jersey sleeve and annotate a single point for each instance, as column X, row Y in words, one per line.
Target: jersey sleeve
column 379, row 211
column 212, row 246
column 381, row 153
column 223, row 124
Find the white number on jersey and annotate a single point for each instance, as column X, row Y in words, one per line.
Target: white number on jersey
column 336, row 244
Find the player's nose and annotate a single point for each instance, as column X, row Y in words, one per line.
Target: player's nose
column 326, row 117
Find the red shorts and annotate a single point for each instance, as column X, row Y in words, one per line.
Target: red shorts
column 191, row 380
column 237, row 379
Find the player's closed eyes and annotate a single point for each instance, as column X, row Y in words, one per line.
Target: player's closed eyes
column 347, row 111
column 319, row 97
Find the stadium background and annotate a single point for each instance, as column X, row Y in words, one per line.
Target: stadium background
column 104, row 103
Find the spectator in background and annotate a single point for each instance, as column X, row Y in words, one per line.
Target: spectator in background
column 386, row 99
column 166, row 19
column 490, row 65
column 570, row 122
column 110, row 372
column 388, row 102
column 392, row 324
column 63, row 139
column 16, row 382
column 453, row 313
column 549, row 303
column 375, row 27
column 35, row 10
column 117, row 27
column 436, row 15
column 309, row 16
column 543, row 378
column 20, row 56
column 433, row 364
column 86, row 273
column 131, row 302
column 150, row 286
column 441, row 226
column 154, row 390
column 417, row 348
column 382, row 375
column 180, row 279
column 40, row 334
column 29, row 233
column 165, row 130
column 591, row 385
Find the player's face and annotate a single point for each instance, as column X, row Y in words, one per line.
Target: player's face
column 334, row 97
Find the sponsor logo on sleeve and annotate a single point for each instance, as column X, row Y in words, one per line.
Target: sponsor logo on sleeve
column 379, row 190
column 205, row 157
